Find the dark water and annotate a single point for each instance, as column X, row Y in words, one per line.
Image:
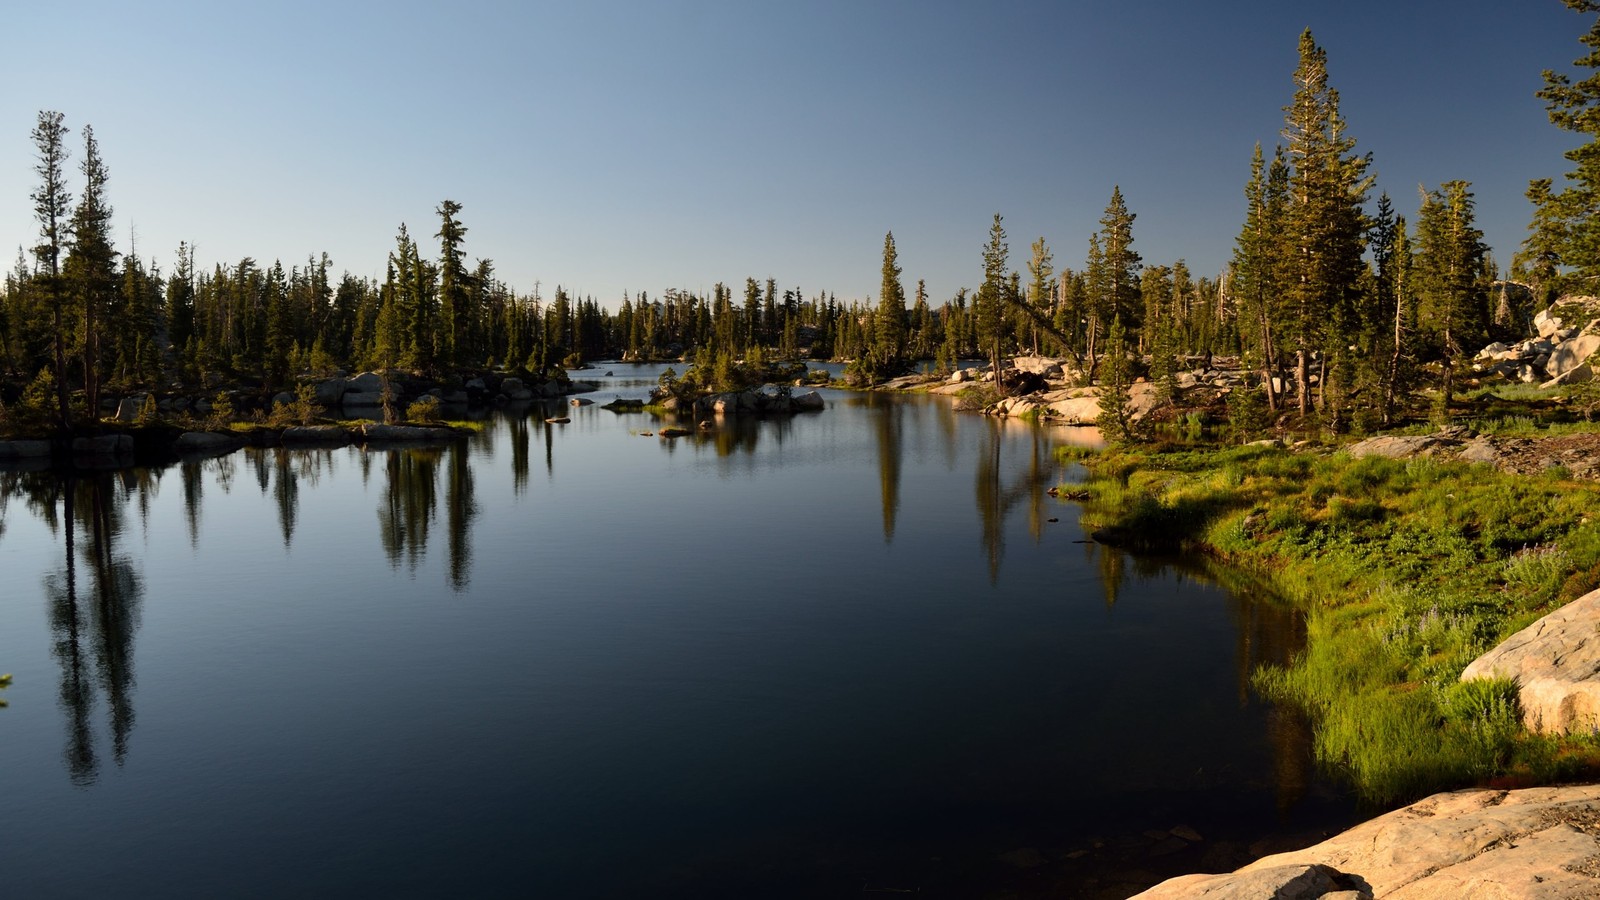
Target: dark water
column 831, row 656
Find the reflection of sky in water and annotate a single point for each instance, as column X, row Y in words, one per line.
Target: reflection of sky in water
column 590, row 645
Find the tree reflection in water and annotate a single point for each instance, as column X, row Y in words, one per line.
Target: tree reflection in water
column 996, row 499
column 93, row 603
column 409, row 501
column 890, row 430
column 410, row 504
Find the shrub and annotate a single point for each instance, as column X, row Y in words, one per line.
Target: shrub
column 423, row 409
column 222, row 411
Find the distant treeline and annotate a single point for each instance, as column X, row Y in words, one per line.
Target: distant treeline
column 1342, row 311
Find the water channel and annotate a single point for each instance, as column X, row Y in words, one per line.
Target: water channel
column 849, row 653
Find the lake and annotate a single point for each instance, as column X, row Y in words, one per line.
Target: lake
column 849, row 653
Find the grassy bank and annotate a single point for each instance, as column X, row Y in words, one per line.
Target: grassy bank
column 1406, row 570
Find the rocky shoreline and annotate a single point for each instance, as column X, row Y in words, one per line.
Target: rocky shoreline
column 366, row 395
column 1534, row 843
column 1530, row 843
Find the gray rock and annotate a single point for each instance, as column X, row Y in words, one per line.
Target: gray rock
column 810, row 401
column 316, row 434
column 1556, row 663
column 1401, row 446
column 1481, row 450
column 1081, row 406
column 905, row 382
column 508, row 385
column 366, row 383
column 1047, row 367
column 206, row 441
column 282, row 398
column 1576, row 375
column 1015, row 406
column 361, row 398
column 517, row 395
column 128, row 409
column 330, row 392
column 376, row 432
column 1570, row 354
column 582, row 401
column 24, row 449
column 1546, row 324
column 103, row 445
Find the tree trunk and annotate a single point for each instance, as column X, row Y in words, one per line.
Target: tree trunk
column 1302, row 380
column 1267, row 361
column 1392, row 381
column 63, row 405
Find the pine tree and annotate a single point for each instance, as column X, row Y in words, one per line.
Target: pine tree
column 455, row 310
column 1257, row 267
column 1121, row 262
column 1097, row 305
column 1115, row 419
column 1448, row 277
column 1566, row 226
column 990, row 302
column 1324, row 227
column 51, row 201
column 91, row 266
column 1041, row 283
column 890, row 323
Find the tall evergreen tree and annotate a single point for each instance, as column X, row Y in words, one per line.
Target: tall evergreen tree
column 51, row 202
column 1116, row 417
column 1566, row 223
column 1097, row 304
column 1257, row 267
column 1121, row 262
column 890, row 322
column 1041, row 284
column 1325, row 228
column 990, row 302
column 91, row 266
column 1449, row 277
column 455, row 312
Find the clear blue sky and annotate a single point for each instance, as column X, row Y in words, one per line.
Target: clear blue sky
column 612, row 146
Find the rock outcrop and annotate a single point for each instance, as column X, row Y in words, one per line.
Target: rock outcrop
column 1556, row 664
column 1075, row 406
column 1404, row 446
column 1534, row 843
column 315, row 434
column 207, row 442
column 24, row 449
column 738, row 403
column 1565, row 336
column 377, row 432
column 105, row 445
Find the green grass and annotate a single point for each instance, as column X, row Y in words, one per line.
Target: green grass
column 1406, row 570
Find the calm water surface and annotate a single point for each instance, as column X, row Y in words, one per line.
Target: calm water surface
column 853, row 651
